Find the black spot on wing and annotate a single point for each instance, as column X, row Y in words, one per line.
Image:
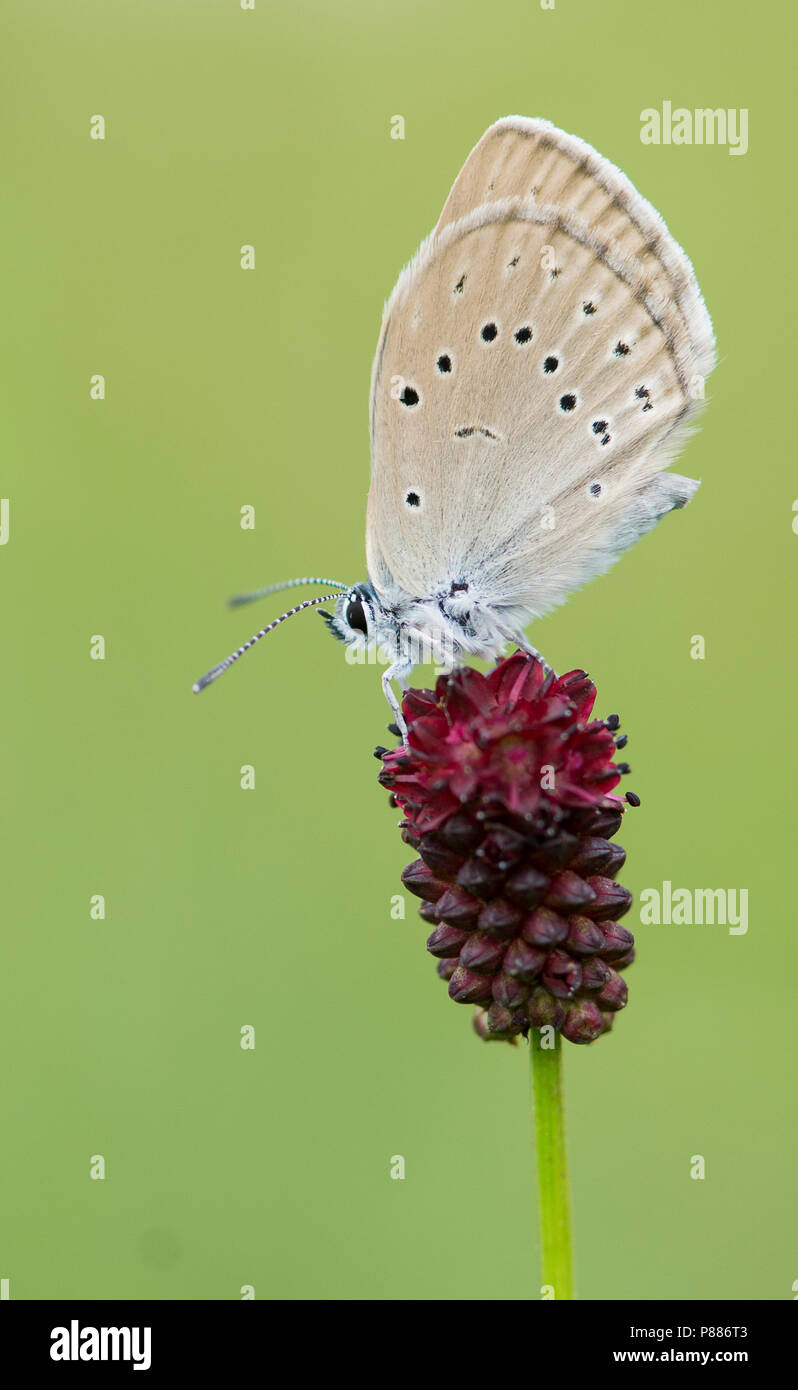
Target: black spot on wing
column 466, row 431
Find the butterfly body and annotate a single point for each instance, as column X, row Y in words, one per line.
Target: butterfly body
column 455, row 622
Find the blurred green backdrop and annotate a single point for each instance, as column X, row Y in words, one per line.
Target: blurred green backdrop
column 271, row 907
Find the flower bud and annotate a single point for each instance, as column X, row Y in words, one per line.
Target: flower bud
column 509, row 991
column 522, row 961
column 569, row 893
column 611, row 899
column 593, row 855
column 562, row 975
column 500, row 918
column 618, row 941
column 543, row 1010
column 583, row 1022
column 482, row 953
column 527, row 887
column 544, row 927
column 584, row 937
column 458, row 908
column 595, row 974
column 418, row 879
column 480, row 877
column 465, row 987
column 614, row 993
column 438, row 858
column 446, row 940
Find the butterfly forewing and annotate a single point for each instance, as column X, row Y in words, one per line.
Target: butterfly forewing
column 519, row 157
column 537, row 365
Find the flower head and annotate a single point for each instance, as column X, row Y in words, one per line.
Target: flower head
column 505, row 785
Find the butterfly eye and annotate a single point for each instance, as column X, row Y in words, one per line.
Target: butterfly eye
column 356, row 616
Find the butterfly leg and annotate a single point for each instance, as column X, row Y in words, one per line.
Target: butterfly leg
column 523, row 645
column 400, row 670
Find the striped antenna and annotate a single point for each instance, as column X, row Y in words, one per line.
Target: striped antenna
column 217, row 671
column 238, row 599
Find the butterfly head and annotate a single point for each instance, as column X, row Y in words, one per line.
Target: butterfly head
column 358, row 618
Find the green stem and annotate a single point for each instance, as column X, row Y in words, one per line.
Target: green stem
column 553, row 1194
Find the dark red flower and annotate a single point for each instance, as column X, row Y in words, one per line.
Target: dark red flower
column 505, row 786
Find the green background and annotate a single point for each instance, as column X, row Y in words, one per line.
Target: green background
column 271, row 907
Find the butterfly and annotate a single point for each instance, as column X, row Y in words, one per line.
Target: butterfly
column 541, row 362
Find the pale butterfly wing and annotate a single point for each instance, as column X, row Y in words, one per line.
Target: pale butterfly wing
column 539, row 364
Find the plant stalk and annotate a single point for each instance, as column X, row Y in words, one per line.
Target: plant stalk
column 554, row 1202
